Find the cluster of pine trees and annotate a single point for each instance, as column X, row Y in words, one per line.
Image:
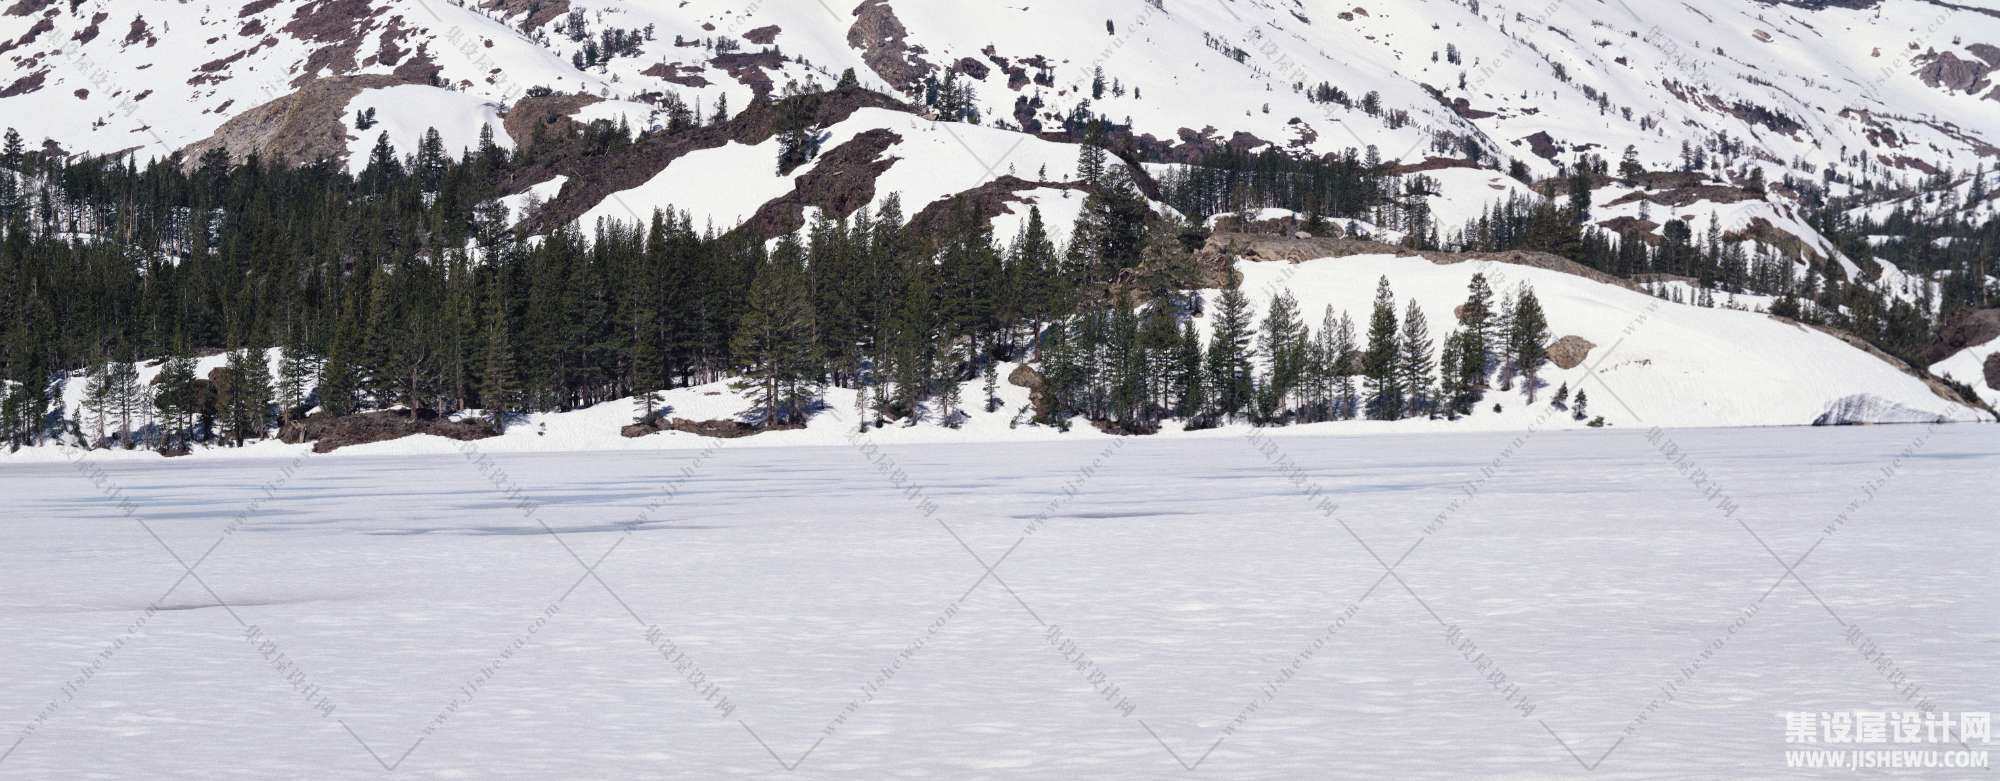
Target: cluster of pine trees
column 1133, row 368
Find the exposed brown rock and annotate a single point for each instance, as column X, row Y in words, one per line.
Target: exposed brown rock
column 540, row 12
column 139, row 32
column 307, row 125
column 1025, row 376
column 749, row 69
column 1993, row 371
column 1684, row 196
column 725, row 429
column 1969, row 329
column 551, row 112
column 328, row 433
column 1945, row 70
column 676, row 73
column 763, row 36
column 840, row 183
column 1543, row 145
column 1761, row 230
column 1569, row 351
column 594, row 177
column 25, row 84
column 884, row 45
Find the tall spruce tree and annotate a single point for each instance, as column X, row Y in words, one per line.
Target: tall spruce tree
column 776, row 345
column 1530, row 339
column 1416, row 365
column 1385, row 388
column 1229, row 353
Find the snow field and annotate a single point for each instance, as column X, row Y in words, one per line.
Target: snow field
column 833, row 597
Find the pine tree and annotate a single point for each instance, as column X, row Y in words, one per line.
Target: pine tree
column 1192, row 393
column 1581, row 409
column 128, row 397
column 97, row 397
column 1477, row 320
column 498, row 390
column 296, row 368
column 1346, row 397
column 1415, row 366
column 1282, row 343
column 174, row 400
column 990, row 383
column 776, row 344
column 1229, row 353
column 246, row 396
column 1385, row 389
column 1530, row 338
column 1451, row 375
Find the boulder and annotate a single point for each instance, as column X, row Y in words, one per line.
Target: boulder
column 1025, row 376
column 1569, row 351
column 1993, row 371
column 651, row 424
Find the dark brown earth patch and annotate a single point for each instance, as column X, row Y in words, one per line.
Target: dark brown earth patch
column 328, row 433
column 676, row 73
column 884, row 45
column 594, row 177
column 839, row 184
column 749, row 68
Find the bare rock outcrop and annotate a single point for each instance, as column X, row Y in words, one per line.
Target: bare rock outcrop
column 329, row 433
column 1569, row 351
column 1970, row 329
column 1025, row 376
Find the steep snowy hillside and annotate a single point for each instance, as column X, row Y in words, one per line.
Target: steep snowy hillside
column 1902, row 83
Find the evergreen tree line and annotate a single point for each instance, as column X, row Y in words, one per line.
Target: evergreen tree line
column 402, row 287
column 1132, row 368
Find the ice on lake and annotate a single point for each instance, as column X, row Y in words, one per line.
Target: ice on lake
column 1411, row 606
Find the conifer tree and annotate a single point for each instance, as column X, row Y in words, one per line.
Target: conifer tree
column 1477, row 322
column 1416, row 365
column 1530, row 339
column 1283, row 345
column 1385, row 389
column 246, row 396
column 776, row 344
column 1192, row 391
column 1346, row 396
column 1229, row 353
column 498, row 390
column 174, row 401
column 296, row 369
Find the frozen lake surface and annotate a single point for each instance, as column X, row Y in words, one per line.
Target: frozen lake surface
column 1151, row 604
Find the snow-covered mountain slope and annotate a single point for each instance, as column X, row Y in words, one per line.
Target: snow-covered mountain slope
column 1653, row 363
column 1905, row 83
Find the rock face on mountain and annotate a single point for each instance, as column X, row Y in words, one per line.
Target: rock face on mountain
column 1970, row 329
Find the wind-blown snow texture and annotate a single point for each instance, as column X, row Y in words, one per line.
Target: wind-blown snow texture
column 836, row 598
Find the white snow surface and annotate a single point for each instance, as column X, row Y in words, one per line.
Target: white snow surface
column 838, row 599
